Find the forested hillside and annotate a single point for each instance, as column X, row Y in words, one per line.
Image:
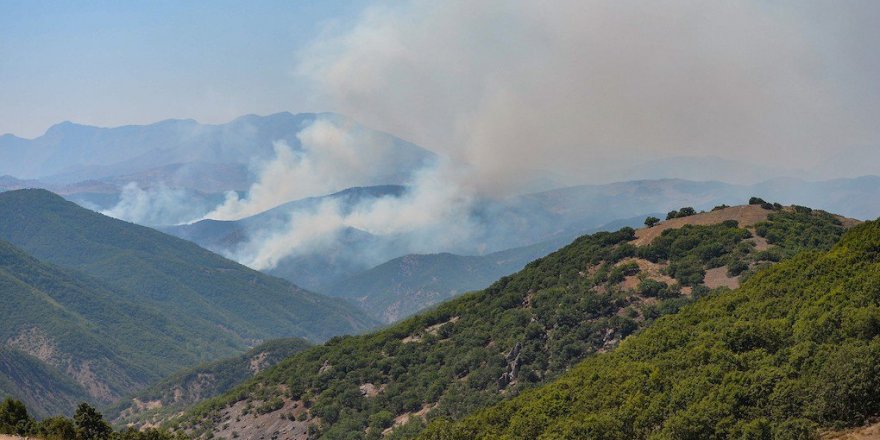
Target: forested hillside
column 68, row 338
column 794, row 351
column 524, row 330
column 191, row 284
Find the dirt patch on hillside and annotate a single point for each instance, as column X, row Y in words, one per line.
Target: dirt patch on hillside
column 717, row 277
column 241, row 420
column 36, row 343
column 430, row 330
column 746, row 215
column 404, row 418
column 871, row 432
column 647, row 269
column 761, row 243
column 846, row 221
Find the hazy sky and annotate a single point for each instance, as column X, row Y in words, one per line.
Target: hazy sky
column 119, row 62
column 502, row 86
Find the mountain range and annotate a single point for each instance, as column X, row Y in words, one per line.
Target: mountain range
column 111, row 307
column 518, row 229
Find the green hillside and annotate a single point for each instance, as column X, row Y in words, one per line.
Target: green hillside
column 42, row 387
column 82, row 331
column 224, row 302
column 796, row 349
column 523, row 331
column 187, row 387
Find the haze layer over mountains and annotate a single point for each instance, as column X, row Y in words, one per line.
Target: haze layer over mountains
column 336, row 207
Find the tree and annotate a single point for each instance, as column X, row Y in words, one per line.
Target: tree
column 686, row 211
column 90, row 424
column 651, row 221
column 14, row 418
column 756, row 201
column 57, row 428
column 671, row 215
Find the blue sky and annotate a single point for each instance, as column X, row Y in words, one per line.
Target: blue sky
column 118, row 62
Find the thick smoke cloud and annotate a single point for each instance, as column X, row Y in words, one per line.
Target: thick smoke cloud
column 334, row 156
column 509, row 92
column 586, row 87
column 157, row 206
column 433, row 214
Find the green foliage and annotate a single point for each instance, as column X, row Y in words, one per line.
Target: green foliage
column 133, row 303
column 683, row 212
column 651, row 221
column 484, row 347
column 14, row 418
column 90, row 424
column 87, row 424
column 797, row 348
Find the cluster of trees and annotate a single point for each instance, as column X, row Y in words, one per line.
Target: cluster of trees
column 794, row 351
column 764, row 204
column 87, row 424
column 523, row 331
column 687, row 211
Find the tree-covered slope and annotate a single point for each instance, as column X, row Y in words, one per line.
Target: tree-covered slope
column 83, row 331
column 524, row 330
column 226, row 304
column 795, row 350
column 184, row 388
column 45, row 389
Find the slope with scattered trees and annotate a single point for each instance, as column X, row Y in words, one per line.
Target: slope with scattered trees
column 485, row 347
column 794, row 351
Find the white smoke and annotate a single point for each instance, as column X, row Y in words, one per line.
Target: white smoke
column 587, row 86
column 333, row 156
column 433, row 214
column 156, row 205
column 505, row 90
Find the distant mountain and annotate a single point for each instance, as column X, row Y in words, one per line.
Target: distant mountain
column 705, row 168
column 203, row 288
column 70, row 152
column 406, row 282
column 187, row 387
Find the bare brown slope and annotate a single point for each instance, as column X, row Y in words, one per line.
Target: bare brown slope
column 746, row 215
column 870, row 432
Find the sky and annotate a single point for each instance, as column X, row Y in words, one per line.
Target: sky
column 566, row 85
column 112, row 63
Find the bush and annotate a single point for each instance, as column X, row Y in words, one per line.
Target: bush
column 686, row 211
column 736, row 267
column 651, row 221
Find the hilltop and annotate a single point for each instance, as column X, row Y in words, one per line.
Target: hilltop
column 523, row 331
column 791, row 353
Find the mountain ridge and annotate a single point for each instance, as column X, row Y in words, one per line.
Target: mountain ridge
column 523, row 331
